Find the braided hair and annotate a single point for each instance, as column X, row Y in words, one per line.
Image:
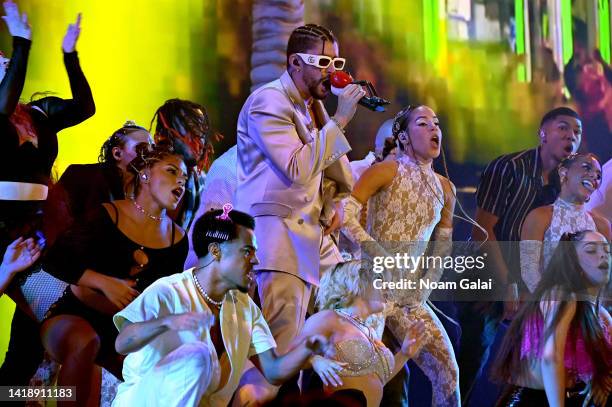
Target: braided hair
column 401, row 122
column 184, row 126
column 306, row 37
column 117, row 139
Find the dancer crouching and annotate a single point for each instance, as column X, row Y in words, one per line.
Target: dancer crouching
column 189, row 335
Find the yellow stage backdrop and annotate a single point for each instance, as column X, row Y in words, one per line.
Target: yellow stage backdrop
column 135, row 54
column 489, row 81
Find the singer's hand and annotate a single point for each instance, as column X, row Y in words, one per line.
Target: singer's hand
column 347, row 103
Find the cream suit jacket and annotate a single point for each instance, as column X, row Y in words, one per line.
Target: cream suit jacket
column 282, row 160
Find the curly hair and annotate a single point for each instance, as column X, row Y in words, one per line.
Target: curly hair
column 341, row 285
column 146, row 157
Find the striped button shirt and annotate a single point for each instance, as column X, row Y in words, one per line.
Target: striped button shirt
column 510, row 187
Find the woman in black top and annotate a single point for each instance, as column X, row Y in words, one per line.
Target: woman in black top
column 119, row 251
column 28, row 148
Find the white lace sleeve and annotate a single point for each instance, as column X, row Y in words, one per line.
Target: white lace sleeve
column 353, row 230
column 531, row 258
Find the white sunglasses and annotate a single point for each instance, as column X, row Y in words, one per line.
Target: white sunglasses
column 322, row 61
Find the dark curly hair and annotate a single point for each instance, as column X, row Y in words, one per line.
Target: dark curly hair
column 146, row 157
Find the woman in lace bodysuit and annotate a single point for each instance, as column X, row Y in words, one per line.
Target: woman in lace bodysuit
column 362, row 363
column 562, row 343
column 408, row 203
column 579, row 176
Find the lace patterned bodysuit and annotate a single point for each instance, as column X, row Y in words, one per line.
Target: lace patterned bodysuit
column 535, row 255
column 402, row 218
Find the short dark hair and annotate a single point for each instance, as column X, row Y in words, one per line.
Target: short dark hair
column 307, row 36
column 214, row 228
column 556, row 112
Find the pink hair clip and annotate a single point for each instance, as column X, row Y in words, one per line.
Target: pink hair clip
column 227, row 208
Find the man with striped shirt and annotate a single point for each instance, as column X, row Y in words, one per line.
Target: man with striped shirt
column 510, row 187
column 514, row 184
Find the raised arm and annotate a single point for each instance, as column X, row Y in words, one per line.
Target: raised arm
column 13, row 80
column 66, row 113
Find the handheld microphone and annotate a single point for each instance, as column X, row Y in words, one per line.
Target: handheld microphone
column 340, row 79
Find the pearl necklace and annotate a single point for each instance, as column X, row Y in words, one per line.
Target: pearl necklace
column 144, row 212
column 201, row 290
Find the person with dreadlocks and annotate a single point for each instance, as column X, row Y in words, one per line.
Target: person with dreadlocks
column 109, row 258
column 28, row 149
column 561, row 341
column 410, row 203
column 185, row 126
column 287, row 146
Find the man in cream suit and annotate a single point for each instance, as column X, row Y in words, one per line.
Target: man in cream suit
column 291, row 164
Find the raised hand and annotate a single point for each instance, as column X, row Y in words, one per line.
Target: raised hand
column 328, row 370
column 189, row 321
column 20, row 255
column 347, row 103
column 72, row 35
column 17, row 24
column 415, row 339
